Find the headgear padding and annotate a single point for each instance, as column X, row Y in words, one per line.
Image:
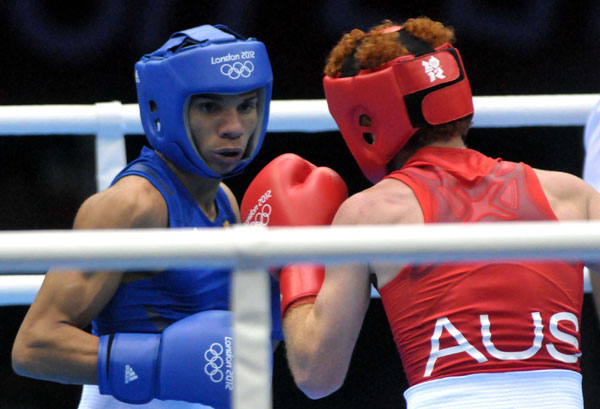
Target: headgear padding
column 428, row 87
column 202, row 60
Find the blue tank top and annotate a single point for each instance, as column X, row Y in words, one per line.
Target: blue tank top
column 150, row 305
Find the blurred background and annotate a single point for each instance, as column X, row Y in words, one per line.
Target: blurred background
column 84, row 53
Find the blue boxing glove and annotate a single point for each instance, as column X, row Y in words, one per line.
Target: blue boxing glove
column 192, row 360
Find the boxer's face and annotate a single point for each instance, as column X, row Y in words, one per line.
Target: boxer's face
column 221, row 126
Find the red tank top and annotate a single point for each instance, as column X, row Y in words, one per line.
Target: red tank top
column 459, row 319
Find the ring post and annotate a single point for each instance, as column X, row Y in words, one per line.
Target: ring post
column 251, row 303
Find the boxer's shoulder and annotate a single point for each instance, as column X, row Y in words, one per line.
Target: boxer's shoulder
column 568, row 196
column 132, row 202
column 389, row 201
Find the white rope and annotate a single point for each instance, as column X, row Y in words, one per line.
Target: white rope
column 251, row 249
column 111, row 121
column 37, row 251
column 300, row 115
column 19, row 289
column 64, row 119
column 34, row 251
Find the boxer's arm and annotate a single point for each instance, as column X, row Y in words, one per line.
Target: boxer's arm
column 571, row 198
column 593, row 213
column 591, row 174
column 591, row 141
column 320, row 337
column 233, row 201
column 51, row 343
column 323, row 335
column 291, row 191
column 594, row 266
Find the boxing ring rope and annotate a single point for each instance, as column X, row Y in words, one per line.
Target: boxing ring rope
column 292, row 115
column 250, row 249
column 111, row 121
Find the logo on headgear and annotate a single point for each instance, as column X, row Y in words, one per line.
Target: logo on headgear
column 237, row 70
column 433, row 69
column 214, row 362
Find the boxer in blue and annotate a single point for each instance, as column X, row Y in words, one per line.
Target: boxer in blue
column 161, row 339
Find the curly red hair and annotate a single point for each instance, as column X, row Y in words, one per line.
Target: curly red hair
column 376, row 47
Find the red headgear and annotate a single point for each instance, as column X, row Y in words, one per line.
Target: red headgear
column 428, row 87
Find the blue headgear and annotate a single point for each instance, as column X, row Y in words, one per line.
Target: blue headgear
column 202, row 60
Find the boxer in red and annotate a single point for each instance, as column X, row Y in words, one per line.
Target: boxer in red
column 470, row 335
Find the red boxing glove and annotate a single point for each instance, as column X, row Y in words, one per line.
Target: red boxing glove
column 300, row 284
column 291, row 191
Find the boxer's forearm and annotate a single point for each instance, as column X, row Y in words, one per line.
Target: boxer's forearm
column 320, row 337
column 51, row 343
column 311, row 353
column 62, row 354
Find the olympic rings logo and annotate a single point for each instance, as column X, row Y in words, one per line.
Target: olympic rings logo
column 263, row 216
column 214, row 362
column 261, row 212
column 237, row 70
